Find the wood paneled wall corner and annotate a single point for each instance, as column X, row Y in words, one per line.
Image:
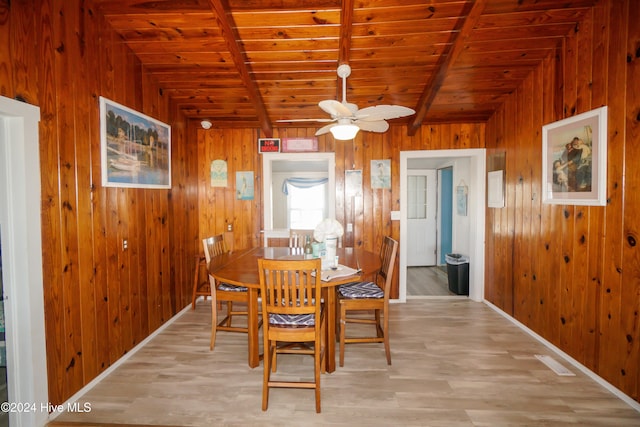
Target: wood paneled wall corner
column 100, row 301
column 570, row 272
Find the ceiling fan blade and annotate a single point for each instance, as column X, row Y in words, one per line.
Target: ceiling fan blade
column 372, row 126
column 335, row 108
column 383, row 112
column 325, row 129
column 305, row 120
column 351, row 106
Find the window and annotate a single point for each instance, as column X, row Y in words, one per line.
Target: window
column 416, row 197
column 276, row 167
column 306, row 206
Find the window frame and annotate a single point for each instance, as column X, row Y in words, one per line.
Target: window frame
column 267, row 172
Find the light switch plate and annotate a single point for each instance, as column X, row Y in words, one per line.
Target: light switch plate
column 395, row 215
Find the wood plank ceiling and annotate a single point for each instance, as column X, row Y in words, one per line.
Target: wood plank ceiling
column 250, row 63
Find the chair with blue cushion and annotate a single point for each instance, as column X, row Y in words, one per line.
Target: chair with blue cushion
column 223, row 292
column 369, row 296
column 293, row 317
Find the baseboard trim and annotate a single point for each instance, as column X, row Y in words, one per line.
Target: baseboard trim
column 614, row 390
column 117, row 363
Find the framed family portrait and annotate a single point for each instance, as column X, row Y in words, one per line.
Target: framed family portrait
column 135, row 148
column 574, row 160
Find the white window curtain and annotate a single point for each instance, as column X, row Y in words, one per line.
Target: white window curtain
column 302, row 183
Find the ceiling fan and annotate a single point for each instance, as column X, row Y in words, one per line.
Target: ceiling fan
column 346, row 119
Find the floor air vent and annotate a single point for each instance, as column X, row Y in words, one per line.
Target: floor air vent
column 554, row 365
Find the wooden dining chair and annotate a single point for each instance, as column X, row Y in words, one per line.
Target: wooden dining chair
column 298, row 238
column 293, row 314
column 201, row 286
column 214, row 245
column 369, row 296
column 200, row 281
column 223, row 292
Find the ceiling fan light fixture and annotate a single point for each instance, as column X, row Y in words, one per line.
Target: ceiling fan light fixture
column 344, row 132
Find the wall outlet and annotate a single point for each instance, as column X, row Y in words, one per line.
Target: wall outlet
column 125, row 244
column 349, row 227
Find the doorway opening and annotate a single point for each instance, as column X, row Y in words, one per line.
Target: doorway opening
column 426, row 215
column 279, row 167
column 20, row 231
column 431, row 280
column 467, row 172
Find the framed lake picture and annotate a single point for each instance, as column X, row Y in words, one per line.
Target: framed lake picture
column 135, row 148
column 574, row 160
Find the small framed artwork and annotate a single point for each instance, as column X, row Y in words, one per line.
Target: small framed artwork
column 381, row 173
column 299, row 145
column 218, row 173
column 574, row 160
column 462, row 192
column 244, row 185
column 135, row 148
column 353, row 183
column 495, row 189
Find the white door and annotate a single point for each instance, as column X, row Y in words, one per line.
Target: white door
column 4, row 415
column 421, row 217
column 20, row 225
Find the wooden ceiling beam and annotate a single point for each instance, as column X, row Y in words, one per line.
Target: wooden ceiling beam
column 225, row 22
column 346, row 28
column 432, row 88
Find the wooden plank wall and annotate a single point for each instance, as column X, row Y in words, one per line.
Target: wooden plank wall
column 370, row 214
column 100, row 301
column 572, row 272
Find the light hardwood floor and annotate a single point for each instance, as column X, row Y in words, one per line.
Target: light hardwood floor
column 455, row 363
column 428, row 282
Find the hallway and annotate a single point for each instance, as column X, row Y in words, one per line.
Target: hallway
column 428, row 282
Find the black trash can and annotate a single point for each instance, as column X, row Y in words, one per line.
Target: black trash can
column 458, row 273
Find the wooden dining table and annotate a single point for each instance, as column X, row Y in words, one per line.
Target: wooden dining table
column 241, row 268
